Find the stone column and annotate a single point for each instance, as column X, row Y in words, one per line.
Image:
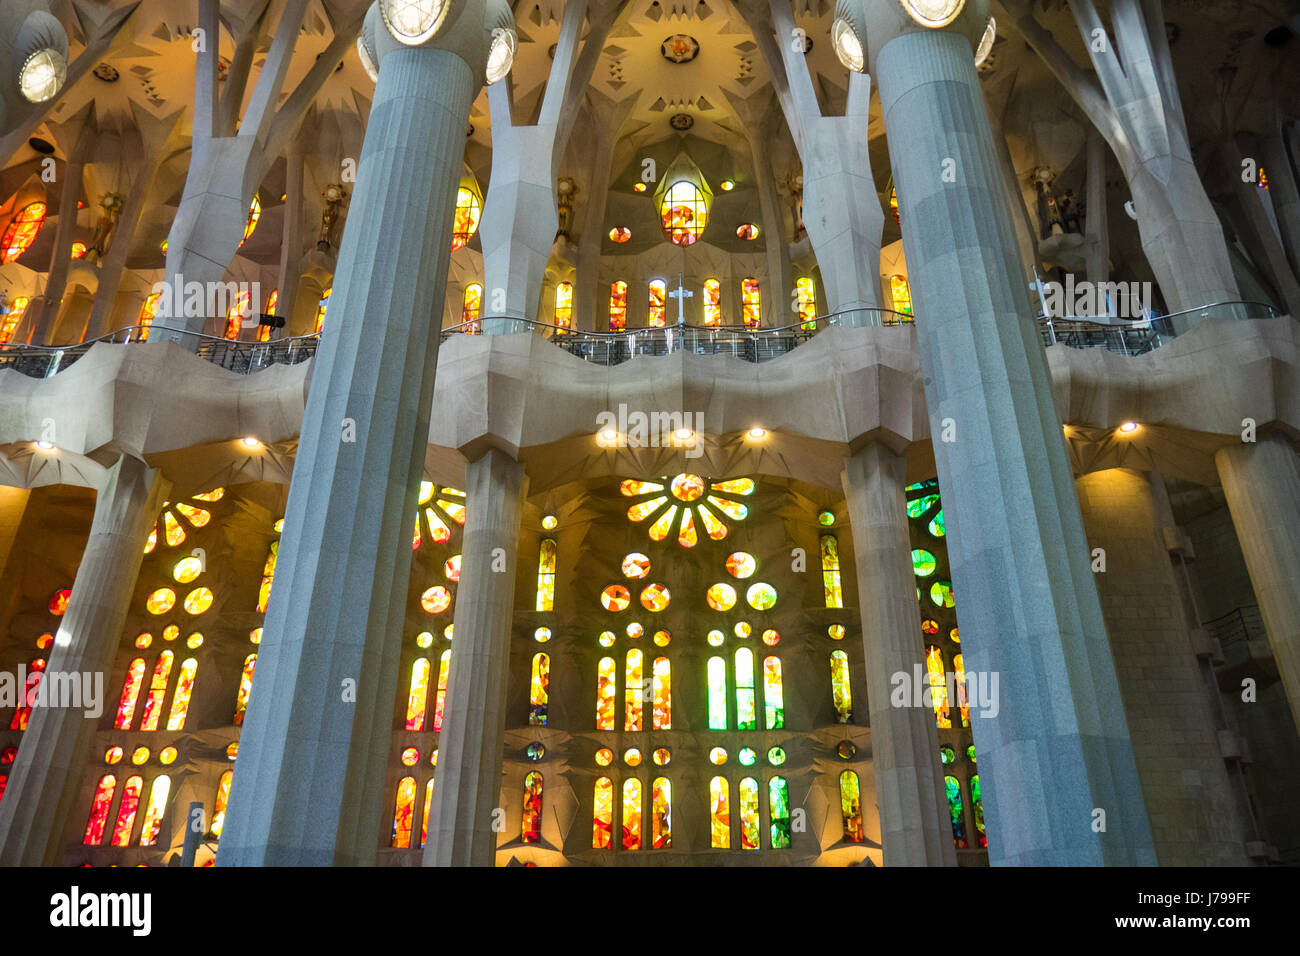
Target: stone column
column 308, row 785
column 904, row 743
column 473, row 723
column 1058, row 750
column 1261, row 482
column 47, row 774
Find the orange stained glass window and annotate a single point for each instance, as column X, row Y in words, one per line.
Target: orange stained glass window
column 851, row 807
column 661, row 813
column 841, row 695
column 219, row 804
column 605, row 680
column 79, row 250
column 661, row 687
column 546, row 576
column 418, row 699
column 712, row 302
column 938, row 687
column 959, row 670
column 532, row 824
column 321, row 306
column 147, row 313
column 126, row 811
column 21, row 232
column 720, row 813
column 9, row 321
column 24, row 712
column 564, row 305
column 632, row 814
column 469, row 209
column 235, row 314
column 749, row 838
column 751, row 303
column 538, row 690
column 805, row 291
column 254, row 215
column 245, row 685
column 658, row 296
column 181, row 696
column 153, row 813
column 632, row 692
column 99, row 807
column 268, row 576
column 404, row 813
column 428, row 801
column 471, row 309
column 901, row 293
column 683, row 212
column 602, row 817
column 617, row 306
column 130, row 693
column 440, row 701
column 830, row 552
column 157, row 691
column 264, row 331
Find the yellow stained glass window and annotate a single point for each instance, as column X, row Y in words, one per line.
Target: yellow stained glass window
column 235, row 314
column 472, row 308
column 436, row 599
column 21, row 232
column 181, row 696
column 830, row 552
column 959, row 670
column 538, row 690
column 605, row 689
column 404, row 813
column 268, row 577
column 254, row 215
column 684, row 213
column 428, row 801
column 602, row 818
column 417, row 700
column 157, row 690
column 148, row 312
column 198, row 601
column 712, row 302
column 751, row 303
column 720, row 813
column 440, row 702
column 661, row 688
column 658, row 296
column 938, row 687
column 632, row 814
column 245, row 686
column 721, row 596
column 806, row 301
column 219, row 804
column 632, row 691
column 321, row 306
column 546, row 576
column 617, row 306
column 9, row 321
column 564, row 305
column 661, row 812
column 130, row 693
column 749, row 839
column 153, row 813
column 841, row 695
column 901, row 293
column 469, row 209
column 264, row 331
column 160, row 601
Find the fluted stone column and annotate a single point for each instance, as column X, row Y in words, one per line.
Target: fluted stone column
column 47, row 773
column 904, row 742
column 1261, row 481
column 1058, row 750
column 307, row 788
column 472, row 738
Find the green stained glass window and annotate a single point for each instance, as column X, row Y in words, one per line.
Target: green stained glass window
column 937, row 527
column 919, row 506
column 851, row 807
column 923, row 563
column 745, row 689
column 953, row 789
column 749, row 814
column 773, row 696
column 941, row 594
column 840, row 691
column 830, row 552
column 778, row 801
column 977, row 809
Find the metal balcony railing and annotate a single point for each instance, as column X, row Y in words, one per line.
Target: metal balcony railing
column 1143, row 335
column 1239, row 624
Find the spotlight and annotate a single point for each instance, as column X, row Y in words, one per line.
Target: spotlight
column 1128, row 428
column 639, row 187
column 607, row 436
column 45, row 445
column 727, row 185
column 757, row 433
column 251, row 443
column 683, row 434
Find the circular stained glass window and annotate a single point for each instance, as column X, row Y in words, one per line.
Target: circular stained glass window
column 826, row 519
column 410, row 757
column 662, row 638
column 741, row 564
column 615, row 598
column 59, row 603
column 661, row 757
column 761, row 597
column 716, row 638
column 535, row 751
column 194, row 641
column 436, row 600
column 550, row 522
column 447, row 631
column 747, row 231
column 923, row 563
column 161, row 601
column 198, row 600
column 433, row 758
column 687, row 487
column 542, row 635
column 717, row 756
column 970, row 753
column 44, row 641
column 845, row 750
column 632, row 757
column 620, row 234
column 771, row 638
column 144, row 640
column 721, row 596
column 636, row 565
column 930, row 627
column 836, row 632
column 937, row 527
column 635, row 630
column 255, row 635
column 187, row 569
column 113, row 755
column 171, row 632
column 451, row 568
column 9, row 753
column 139, row 755
column 167, row 755
column 606, row 639
column 947, row 755
column 955, row 634
column 747, row 756
column 424, row 639
column 776, row 756
column 604, row 756
column 655, row 597
column 232, row 751
column 941, row 593
column 742, row 629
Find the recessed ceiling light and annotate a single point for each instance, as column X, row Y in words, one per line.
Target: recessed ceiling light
column 1129, row 427
column 684, row 434
column 44, row 445
column 251, row 442
column 757, row 433
column 607, row 435
column 727, row 185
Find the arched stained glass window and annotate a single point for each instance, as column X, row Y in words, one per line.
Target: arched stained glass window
column 773, row 694
column 99, row 807
column 268, row 577
column 153, row 813
column 219, row 804
column 181, row 696
column 469, row 209
column 778, row 801
column 21, row 232
column 130, row 694
column 745, row 719
column 632, row 691
column 717, row 678
column 404, row 813
column 806, row 301
column 532, row 826
column 148, row 312
column 245, row 686
column 684, row 213
column 720, row 813
column 751, row 303
column 272, row 301
column 321, row 306
column 749, row 814
column 564, row 305
column 901, row 293
column 605, row 689
column 471, row 309
column 538, row 689
column 632, row 814
column 36, row 671
column 157, row 691
column 546, row 576
column 417, row 701
column 661, row 813
column 617, row 306
column 241, row 306
column 254, row 216
column 126, row 811
column 662, row 692
column 9, row 321
column 712, row 302
column 960, row 672
column 840, row 691
column 977, row 810
column 602, row 818
column 938, row 687
column 440, row 701
column 851, row 807
column 830, row 551
column 428, row 802
column 953, row 789
column 658, row 297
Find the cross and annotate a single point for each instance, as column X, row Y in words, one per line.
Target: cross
column 681, row 294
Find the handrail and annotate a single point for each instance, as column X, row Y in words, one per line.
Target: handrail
column 110, row 338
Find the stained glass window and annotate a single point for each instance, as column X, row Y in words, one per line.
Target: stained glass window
column 245, row 686
column 148, row 312
column 806, row 301
column 830, row 550
column 617, row 306
column 840, row 692
column 404, row 813
column 602, row 818
column 977, row 809
column 532, row 825
column 684, row 212
column 469, row 208
column 153, row 813
column 901, row 293
column 712, row 302
column 264, row 331
column 605, row 681
column 21, row 232
column 662, row 692
column 157, row 690
column 632, row 692
column 440, row 702
column 953, row 789
column 219, row 804
column 254, row 216
column 959, row 672
column 546, row 576
column 9, row 321
column 181, row 696
column 720, row 813
column 428, row 802
column 418, row 699
column 125, row 824
column 538, row 689
column 99, row 808
column 658, row 293
column 564, row 305
column 749, row 814
column 632, row 814
column 472, row 308
column 938, row 687
column 745, row 689
column 661, row 812
column 923, row 563
column 717, row 679
column 751, row 303
column 235, row 314
column 130, row 693
column 773, row 696
column 778, row 800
